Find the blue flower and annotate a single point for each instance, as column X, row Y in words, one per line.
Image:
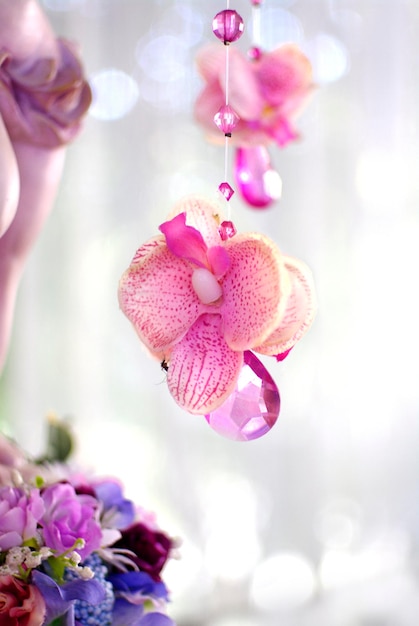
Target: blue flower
column 131, row 590
column 59, row 599
column 86, row 613
column 119, row 512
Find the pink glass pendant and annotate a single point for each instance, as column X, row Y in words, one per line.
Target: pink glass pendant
column 227, row 230
column 257, row 182
column 226, row 189
column 253, row 408
column 228, row 26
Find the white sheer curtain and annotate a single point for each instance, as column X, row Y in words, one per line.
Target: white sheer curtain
column 318, row 522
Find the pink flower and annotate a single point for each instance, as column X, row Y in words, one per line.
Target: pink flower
column 199, row 302
column 43, row 98
column 19, row 515
column 20, row 604
column 69, row 517
column 267, row 93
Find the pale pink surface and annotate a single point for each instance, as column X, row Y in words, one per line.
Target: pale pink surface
column 203, row 343
column 43, row 96
column 267, row 93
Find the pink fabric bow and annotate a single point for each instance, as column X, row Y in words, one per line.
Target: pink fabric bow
column 43, row 96
column 198, row 302
column 267, row 93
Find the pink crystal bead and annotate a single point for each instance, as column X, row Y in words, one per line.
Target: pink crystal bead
column 227, row 230
column 253, row 408
column 254, row 53
column 228, row 26
column 258, row 183
column 226, row 119
column 226, row 189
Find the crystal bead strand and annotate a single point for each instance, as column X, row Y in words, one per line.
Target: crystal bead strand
column 228, row 26
column 258, row 183
column 254, row 405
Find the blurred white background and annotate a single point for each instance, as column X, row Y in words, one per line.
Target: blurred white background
column 317, row 523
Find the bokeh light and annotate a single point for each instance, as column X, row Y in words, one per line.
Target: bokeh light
column 115, row 94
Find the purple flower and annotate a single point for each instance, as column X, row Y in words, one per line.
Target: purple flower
column 19, row 514
column 59, row 598
column 118, row 511
column 69, row 517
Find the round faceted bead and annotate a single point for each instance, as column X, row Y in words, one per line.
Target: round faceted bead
column 226, row 119
column 226, row 189
column 227, row 230
column 228, row 26
column 254, row 53
column 253, row 407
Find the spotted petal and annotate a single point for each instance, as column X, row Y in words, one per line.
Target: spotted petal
column 156, row 295
column 255, row 288
column 203, row 370
column 299, row 313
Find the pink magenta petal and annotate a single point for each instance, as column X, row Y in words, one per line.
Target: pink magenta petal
column 147, row 248
column 185, row 242
column 244, row 91
column 255, row 288
column 157, row 296
column 299, row 313
column 202, row 215
column 210, row 59
column 203, row 370
column 219, row 260
column 285, row 77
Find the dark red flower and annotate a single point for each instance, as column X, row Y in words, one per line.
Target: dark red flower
column 151, row 547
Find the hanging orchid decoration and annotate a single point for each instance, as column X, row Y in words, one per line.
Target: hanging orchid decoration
column 267, row 91
column 201, row 301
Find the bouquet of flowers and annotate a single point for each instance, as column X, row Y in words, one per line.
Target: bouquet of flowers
column 74, row 550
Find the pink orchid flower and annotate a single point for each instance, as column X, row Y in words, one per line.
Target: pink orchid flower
column 198, row 302
column 267, row 93
column 43, row 96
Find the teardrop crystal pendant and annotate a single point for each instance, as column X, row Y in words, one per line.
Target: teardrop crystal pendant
column 256, row 180
column 253, row 408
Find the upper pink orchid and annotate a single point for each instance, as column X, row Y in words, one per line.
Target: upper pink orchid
column 266, row 93
column 198, row 302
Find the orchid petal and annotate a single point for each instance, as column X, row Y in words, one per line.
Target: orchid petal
column 244, row 92
column 148, row 248
column 299, row 313
column 203, row 370
column 184, row 241
column 210, row 59
column 286, row 79
column 157, row 296
column 255, row 288
column 219, row 260
column 202, row 215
